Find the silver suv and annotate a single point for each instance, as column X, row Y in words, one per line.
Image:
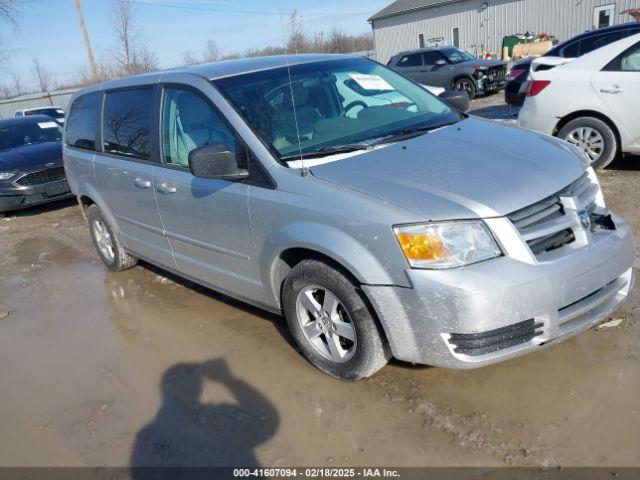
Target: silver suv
column 381, row 222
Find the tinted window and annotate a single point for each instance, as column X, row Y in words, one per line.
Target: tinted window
column 14, row 135
column 430, row 58
column 82, row 124
column 127, row 122
column 572, row 50
column 590, row 44
column 413, row 60
column 189, row 122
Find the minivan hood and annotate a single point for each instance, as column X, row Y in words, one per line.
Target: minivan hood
column 472, row 169
column 30, row 157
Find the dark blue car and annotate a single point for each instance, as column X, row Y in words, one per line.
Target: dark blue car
column 515, row 90
column 31, row 170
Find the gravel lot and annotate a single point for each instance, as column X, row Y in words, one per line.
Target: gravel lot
column 141, row 367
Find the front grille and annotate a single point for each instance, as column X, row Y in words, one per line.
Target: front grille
column 545, row 226
column 498, row 72
column 475, row 344
column 41, row 177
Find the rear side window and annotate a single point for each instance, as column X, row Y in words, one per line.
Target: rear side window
column 127, row 122
column 593, row 43
column 82, row 124
column 628, row 61
column 413, row 60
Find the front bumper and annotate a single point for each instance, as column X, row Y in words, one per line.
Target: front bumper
column 564, row 296
column 490, row 83
column 17, row 198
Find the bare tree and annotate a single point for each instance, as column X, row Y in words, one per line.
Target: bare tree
column 131, row 56
column 8, row 10
column 42, row 76
column 145, row 60
column 17, row 83
column 5, row 92
column 188, row 58
column 211, row 52
column 297, row 42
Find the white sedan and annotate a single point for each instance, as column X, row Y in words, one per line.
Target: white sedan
column 592, row 101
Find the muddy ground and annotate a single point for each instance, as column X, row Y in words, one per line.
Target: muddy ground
column 140, row 367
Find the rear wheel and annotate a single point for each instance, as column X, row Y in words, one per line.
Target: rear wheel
column 465, row 85
column 331, row 322
column 107, row 245
column 594, row 137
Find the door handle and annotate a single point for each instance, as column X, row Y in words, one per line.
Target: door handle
column 166, row 188
column 142, row 183
column 612, row 89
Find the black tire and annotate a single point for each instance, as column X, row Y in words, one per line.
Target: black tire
column 465, row 84
column 610, row 149
column 121, row 260
column 371, row 351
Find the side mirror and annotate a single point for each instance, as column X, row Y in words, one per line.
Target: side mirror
column 457, row 100
column 441, row 62
column 216, row 161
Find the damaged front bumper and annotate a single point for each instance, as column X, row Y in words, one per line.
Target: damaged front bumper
column 506, row 307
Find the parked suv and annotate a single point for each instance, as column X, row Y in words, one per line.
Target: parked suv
column 515, row 90
column 404, row 229
column 451, row 68
column 56, row 113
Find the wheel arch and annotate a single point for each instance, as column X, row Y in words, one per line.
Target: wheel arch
column 290, row 257
column 459, row 76
column 589, row 113
column 90, row 196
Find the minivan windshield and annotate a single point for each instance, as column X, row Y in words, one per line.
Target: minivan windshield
column 328, row 106
column 14, row 135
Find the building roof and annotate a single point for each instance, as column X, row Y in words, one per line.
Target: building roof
column 403, row 6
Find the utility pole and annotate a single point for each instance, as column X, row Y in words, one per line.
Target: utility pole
column 87, row 42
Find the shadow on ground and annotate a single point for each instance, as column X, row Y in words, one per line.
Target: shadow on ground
column 626, row 162
column 43, row 208
column 190, row 430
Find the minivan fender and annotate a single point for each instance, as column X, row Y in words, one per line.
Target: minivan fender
column 342, row 248
column 90, row 192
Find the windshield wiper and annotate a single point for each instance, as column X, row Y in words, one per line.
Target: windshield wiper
column 325, row 151
column 412, row 132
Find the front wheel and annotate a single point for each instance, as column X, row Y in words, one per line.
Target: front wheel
column 594, row 137
column 465, row 85
column 331, row 322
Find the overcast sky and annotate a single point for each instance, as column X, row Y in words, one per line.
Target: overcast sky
column 49, row 30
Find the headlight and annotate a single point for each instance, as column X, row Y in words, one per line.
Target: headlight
column 446, row 244
column 6, row 175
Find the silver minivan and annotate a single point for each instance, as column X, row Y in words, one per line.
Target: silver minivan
column 381, row 222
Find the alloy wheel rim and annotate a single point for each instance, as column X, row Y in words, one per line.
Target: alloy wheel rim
column 104, row 240
column 464, row 86
column 589, row 140
column 326, row 324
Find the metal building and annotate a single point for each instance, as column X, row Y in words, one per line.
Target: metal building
column 480, row 25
